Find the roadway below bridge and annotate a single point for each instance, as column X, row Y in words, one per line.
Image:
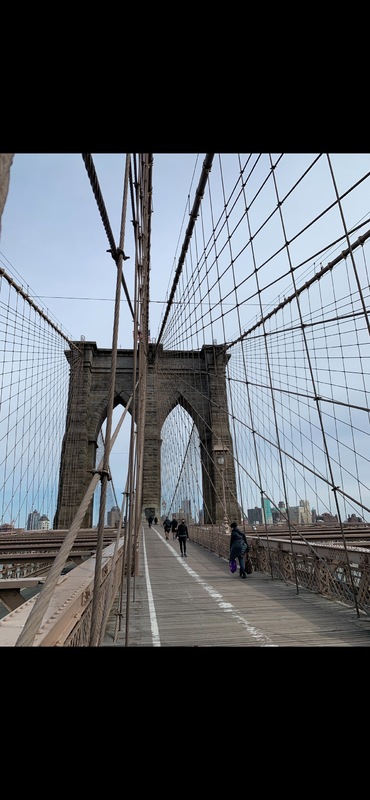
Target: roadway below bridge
column 27, row 556
column 40, row 545
column 11, row 591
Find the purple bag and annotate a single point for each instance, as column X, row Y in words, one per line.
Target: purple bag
column 232, row 565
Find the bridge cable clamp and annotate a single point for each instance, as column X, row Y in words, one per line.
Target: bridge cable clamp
column 117, row 252
column 101, row 472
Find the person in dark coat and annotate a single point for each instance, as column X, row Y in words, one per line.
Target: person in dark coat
column 182, row 535
column 167, row 527
column 174, row 527
column 238, row 547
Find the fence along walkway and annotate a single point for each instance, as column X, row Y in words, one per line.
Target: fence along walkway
column 197, row 602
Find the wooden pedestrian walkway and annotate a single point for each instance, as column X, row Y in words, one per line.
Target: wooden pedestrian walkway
column 197, row 602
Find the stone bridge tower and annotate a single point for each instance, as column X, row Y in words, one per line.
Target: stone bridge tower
column 198, row 384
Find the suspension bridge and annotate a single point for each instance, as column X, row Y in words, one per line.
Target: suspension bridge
column 251, row 402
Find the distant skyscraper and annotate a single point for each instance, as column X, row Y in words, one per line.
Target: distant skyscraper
column 305, row 513
column 113, row 517
column 254, row 515
column 44, row 523
column 33, row 521
column 267, row 511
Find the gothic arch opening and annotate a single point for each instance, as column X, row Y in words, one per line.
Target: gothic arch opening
column 181, row 474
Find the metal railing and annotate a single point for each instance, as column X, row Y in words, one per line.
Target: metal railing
column 325, row 568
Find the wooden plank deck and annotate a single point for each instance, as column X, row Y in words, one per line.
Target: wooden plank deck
column 197, row 602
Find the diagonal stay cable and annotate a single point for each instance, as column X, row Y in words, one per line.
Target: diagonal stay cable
column 31, row 627
column 207, row 165
column 96, row 609
column 89, row 164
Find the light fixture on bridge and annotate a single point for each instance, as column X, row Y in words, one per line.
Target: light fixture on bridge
column 219, row 451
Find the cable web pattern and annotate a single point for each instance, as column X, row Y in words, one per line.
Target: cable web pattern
column 294, row 318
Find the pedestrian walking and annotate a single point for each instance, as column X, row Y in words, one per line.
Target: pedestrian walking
column 174, row 527
column 182, row 535
column 167, row 527
column 239, row 547
column 150, row 520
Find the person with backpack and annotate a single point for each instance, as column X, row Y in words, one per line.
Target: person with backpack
column 239, row 547
column 167, row 527
column 174, row 527
column 182, row 535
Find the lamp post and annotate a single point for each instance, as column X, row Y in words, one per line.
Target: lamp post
column 219, row 451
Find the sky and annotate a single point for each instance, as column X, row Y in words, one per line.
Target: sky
column 54, row 240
